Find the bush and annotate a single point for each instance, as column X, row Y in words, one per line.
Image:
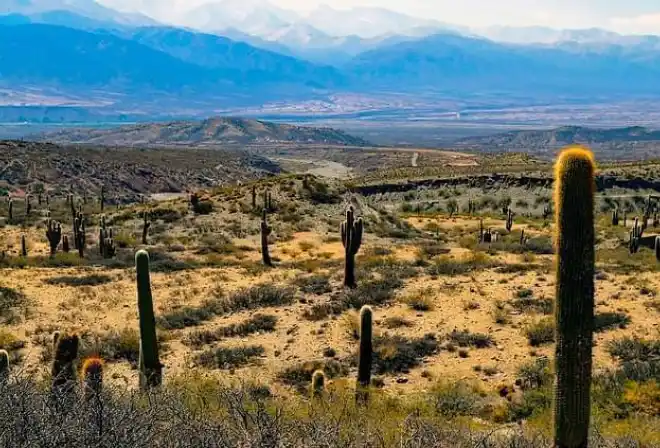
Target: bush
column 535, row 374
column 466, row 339
column 394, row 354
column 257, row 323
column 610, row 321
column 542, row 332
column 10, row 300
column 455, row 400
column 314, row 284
column 77, row 281
column 373, row 292
column 528, row 304
column 420, row 300
column 300, row 375
column 229, row 358
column 123, row 345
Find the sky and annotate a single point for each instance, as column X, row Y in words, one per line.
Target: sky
column 627, row 16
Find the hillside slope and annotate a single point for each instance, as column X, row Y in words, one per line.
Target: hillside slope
column 212, row 131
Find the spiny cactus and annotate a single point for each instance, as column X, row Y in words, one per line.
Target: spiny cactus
column 366, row 353
column 574, row 309
column 24, row 251
column 4, row 367
column 488, row 236
column 509, row 220
column 615, row 217
column 146, row 224
column 522, row 237
column 194, row 200
column 351, row 238
column 254, row 197
column 10, row 209
column 150, row 366
column 28, row 206
column 102, row 198
column 657, row 248
column 92, row 373
column 65, row 244
column 80, row 235
column 54, row 235
column 318, row 384
column 63, row 371
column 265, row 232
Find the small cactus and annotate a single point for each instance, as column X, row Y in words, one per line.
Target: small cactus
column 351, row 238
column 92, row 373
column 366, row 352
column 574, row 310
column 265, row 232
column 24, row 251
column 54, row 235
column 4, row 367
column 63, row 370
column 150, row 366
column 318, row 384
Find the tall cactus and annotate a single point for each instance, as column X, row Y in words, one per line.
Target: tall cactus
column 54, row 235
column 366, row 353
column 24, row 251
column 63, row 371
column 657, row 248
column 615, row 217
column 10, row 209
column 254, row 197
column 92, row 372
column 265, row 232
column 351, row 238
column 574, row 310
column 102, row 198
column 509, row 220
column 4, row 367
column 150, row 366
column 146, row 224
column 65, row 244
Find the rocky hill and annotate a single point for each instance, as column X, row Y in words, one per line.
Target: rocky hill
column 209, row 132
column 125, row 172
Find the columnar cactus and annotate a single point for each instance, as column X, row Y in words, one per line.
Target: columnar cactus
column 146, row 224
column 509, row 220
column 318, row 384
column 351, row 238
column 4, row 367
column 574, row 309
column 102, row 198
column 481, row 231
column 24, row 251
column 80, row 235
column 615, row 217
column 657, row 248
column 265, row 233
column 366, row 352
column 63, row 371
column 488, row 236
column 28, row 206
column 65, row 244
column 54, row 235
column 254, row 197
column 10, row 209
column 92, row 372
column 150, row 366
column 522, row 237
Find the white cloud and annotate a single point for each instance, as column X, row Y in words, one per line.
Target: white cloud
column 642, row 24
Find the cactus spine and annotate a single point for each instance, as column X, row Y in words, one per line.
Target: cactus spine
column 92, row 371
column 318, row 384
column 63, row 371
column 574, row 310
column 24, row 252
column 54, row 235
column 265, row 232
column 366, row 352
column 150, row 366
column 146, row 224
column 4, row 367
column 351, row 238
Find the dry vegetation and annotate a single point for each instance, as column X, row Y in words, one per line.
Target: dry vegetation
column 462, row 330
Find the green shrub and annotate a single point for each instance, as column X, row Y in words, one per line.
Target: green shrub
column 227, row 358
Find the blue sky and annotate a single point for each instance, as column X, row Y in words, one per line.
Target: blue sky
column 629, row 16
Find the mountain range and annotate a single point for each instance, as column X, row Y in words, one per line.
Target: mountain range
column 84, row 52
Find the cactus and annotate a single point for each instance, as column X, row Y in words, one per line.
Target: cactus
column 102, row 198
column 28, row 206
column 4, row 367
column 351, row 238
column 54, row 235
column 522, row 237
column 146, row 224
column 318, row 384
column 63, row 370
column 481, row 231
column 102, row 237
column 366, row 353
column 194, row 200
column 24, row 251
column 150, row 366
column 488, row 236
column 265, row 232
column 254, row 197
column 615, row 217
column 65, row 244
column 80, row 235
column 92, row 373
column 10, row 209
column 574, row 310
column 657, row 248
column 509, row 220
column 546, row 212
